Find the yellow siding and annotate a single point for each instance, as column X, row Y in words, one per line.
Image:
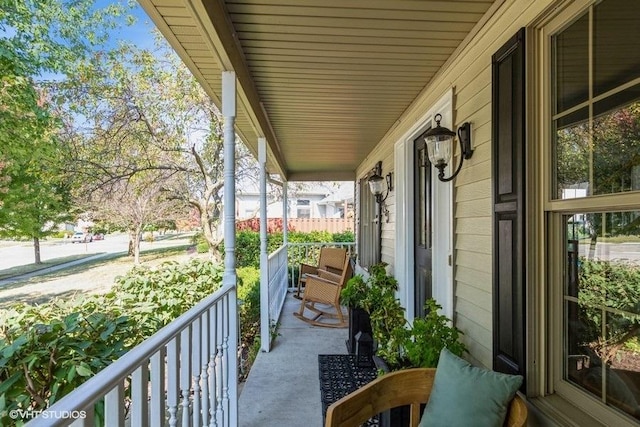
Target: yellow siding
column 469, row 74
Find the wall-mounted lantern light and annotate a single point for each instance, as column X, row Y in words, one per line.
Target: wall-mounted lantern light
column 377, row 186
column 440, row 146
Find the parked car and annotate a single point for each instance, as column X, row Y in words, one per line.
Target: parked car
column 98, row 236
column 81, row 237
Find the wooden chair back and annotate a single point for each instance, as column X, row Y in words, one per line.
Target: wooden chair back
column 332, row 259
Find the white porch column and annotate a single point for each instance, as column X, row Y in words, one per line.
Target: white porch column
column 229, row 277
column 285, row 213
column 265, row 342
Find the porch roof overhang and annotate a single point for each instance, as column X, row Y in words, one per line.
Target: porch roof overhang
column 323, row 81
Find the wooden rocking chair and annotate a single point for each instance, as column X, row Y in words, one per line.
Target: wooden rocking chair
column 406, row 387
column 324, row 288
column 330, row 260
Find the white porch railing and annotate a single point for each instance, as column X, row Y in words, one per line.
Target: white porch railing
column 280, row 279
column 185, row 374
column 277, row 281
column 276, row 278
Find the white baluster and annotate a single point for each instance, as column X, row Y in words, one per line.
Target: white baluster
column 185, row 373
column 157, row 388
column 173, row 366
column 114, row 407
column 140, row 396
column 195, row 370
column 219, row 356
column 213, row 377
column 226, row 355
column 204, row 335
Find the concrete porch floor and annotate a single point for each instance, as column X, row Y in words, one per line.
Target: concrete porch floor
column 283, row 389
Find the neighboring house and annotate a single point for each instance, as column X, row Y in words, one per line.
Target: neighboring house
column 315, row 202
column 551, row 91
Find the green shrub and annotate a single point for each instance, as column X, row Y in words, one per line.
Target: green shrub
column 247, row 249
column 398, row 344
column 156, row 296
column 48, row 350
column 62, row 234
column 249, row 294
column 615, row 285
column 248, row 245
column 346, row 236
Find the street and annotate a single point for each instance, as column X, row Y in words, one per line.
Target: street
column 20, row 253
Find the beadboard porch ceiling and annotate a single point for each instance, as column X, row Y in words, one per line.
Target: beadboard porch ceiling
column 322, row 80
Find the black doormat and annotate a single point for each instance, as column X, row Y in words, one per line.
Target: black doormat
column 340, row 376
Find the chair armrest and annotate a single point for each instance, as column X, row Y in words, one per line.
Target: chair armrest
column 327, row 275
column 308, row 269
column 405, row 387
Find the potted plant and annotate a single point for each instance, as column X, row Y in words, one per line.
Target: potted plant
column 365, row 296
column 419, row 345
column 399, row 344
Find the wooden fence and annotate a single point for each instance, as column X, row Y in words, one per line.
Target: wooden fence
column 332, row 225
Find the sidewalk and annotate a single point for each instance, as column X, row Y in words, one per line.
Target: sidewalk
column 47, row 270
column 283, row 389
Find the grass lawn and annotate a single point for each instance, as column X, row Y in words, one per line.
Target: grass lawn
column 147, row 255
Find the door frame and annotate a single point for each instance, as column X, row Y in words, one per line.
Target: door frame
column 442, row 267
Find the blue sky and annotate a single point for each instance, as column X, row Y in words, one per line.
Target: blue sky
column 141, row 32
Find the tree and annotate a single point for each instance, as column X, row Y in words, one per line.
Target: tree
column 39, row 38
column 36, row 193
column 53, row 36
column 143, row 111
column 133, row 204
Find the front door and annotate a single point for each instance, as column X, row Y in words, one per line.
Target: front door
column 423, row 225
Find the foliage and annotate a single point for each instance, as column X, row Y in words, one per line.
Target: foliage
column 249, row 295
column 48, row 350
column 345, row 236
column 614, row 286
column 370, row 294
column 146, row 118
column 247, row 249
column 156, row 296
column 428, row 336
column 400, row 345
column 33, row 183
column 248, row 246
column 608, row 147
column 44, row 39
column 53, row 35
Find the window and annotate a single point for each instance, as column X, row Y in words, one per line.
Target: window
column 368, row 227
column 593, row 206
column 303, row 208
column 596, row 79
column 602, row 306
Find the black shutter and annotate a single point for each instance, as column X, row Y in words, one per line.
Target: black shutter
column 508, row 134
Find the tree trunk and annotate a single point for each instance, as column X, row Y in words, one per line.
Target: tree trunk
column 134, row 244
column 208, row 231
column 592, row 246
column 36, row 248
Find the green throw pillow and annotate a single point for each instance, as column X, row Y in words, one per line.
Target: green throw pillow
column 464, row 395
